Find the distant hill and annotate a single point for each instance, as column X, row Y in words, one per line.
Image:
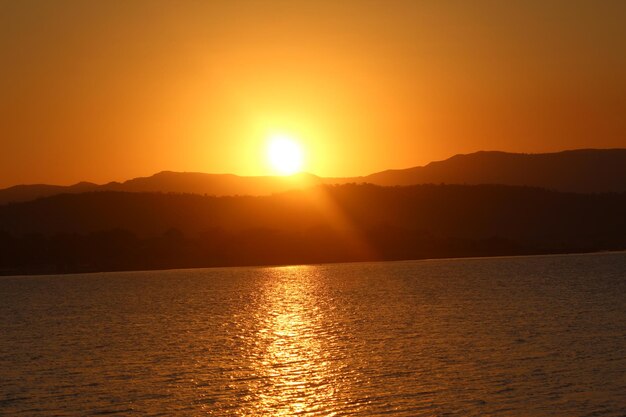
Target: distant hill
column 110, row 230
column 29, row 192
column 582, row 171
column 213, row 184
column 172, row 182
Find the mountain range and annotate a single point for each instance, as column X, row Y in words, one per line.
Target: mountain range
column 580, row 171
column 112, row 230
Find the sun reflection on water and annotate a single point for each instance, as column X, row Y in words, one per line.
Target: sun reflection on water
column 370, row 339
column 305, row 342
column 292, row 367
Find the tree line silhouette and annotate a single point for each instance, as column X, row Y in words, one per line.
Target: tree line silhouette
column 107, row 231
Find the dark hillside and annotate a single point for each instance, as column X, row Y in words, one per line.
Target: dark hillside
column 118, row 230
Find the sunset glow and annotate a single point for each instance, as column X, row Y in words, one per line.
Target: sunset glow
column 400, row 84
column 313, row 207
column 285, row 155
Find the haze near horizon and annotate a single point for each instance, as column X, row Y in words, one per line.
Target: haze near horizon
column 103, row 91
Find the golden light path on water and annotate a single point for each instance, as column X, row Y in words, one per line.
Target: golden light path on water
column 313, row 343
column 290, row 355
column 535, row 336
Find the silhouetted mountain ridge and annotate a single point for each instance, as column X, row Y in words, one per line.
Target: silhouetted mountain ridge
column 19, row 193
column 583, row 171
column 114, row 230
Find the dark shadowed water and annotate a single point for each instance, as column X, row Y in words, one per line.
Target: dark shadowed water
column 530, row 336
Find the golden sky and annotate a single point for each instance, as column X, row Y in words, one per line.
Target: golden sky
column 114, row 89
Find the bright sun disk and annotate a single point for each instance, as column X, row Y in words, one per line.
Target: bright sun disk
column 285, row 155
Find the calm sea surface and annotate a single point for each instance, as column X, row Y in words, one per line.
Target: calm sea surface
column 529, row 336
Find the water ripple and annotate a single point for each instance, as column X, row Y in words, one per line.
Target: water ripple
column 536, row 336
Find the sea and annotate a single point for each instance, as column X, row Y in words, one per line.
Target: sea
column 511, row 336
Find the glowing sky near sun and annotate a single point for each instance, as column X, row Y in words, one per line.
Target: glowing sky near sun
column 109, row 90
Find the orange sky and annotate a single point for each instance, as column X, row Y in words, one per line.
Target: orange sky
column 112, row 89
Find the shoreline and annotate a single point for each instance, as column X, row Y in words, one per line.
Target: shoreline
column 182, row 268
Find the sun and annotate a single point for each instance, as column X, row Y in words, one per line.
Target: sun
column 284, row 154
